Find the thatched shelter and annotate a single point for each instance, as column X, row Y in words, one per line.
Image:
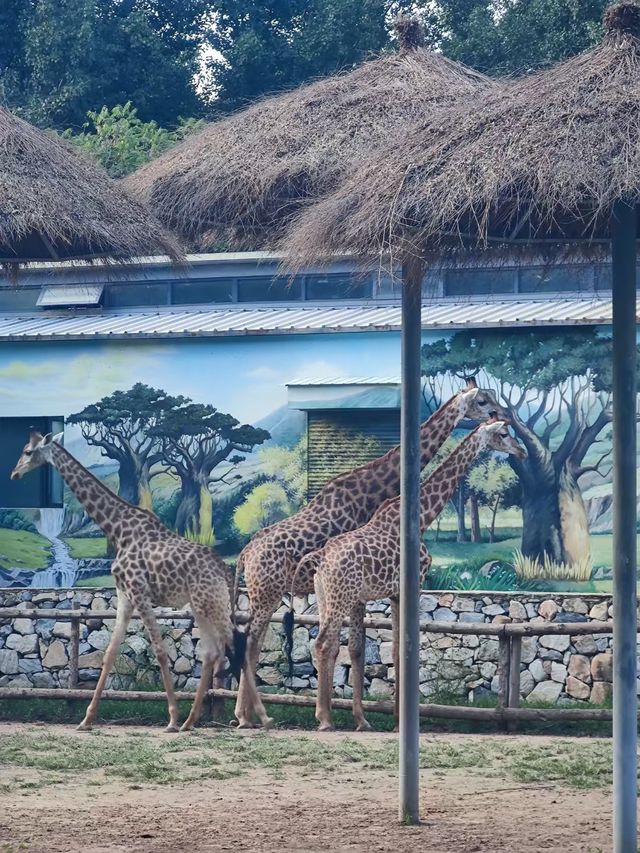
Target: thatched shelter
column 242, row 178
column 546, row 157
column 56, row 204
column 552, row 160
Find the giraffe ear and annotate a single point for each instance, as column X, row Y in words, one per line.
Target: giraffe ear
column 58, row 438
column 494, row 426
column 47, row 439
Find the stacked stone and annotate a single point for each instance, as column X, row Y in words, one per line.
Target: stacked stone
column 554, row 668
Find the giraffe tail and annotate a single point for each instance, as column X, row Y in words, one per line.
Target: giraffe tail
column 236, row 654
column 310, row 563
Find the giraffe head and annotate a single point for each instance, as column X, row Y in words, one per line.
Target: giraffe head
column 479, row 404
column 36, row 452
column 497, row 437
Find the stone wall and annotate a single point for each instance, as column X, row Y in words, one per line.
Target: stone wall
column 554, row 668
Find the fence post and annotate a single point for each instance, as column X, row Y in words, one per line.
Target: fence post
column 503, row 675
column 515, row 653
column 74, row 652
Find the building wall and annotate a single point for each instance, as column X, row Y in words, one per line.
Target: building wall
column 554, row 381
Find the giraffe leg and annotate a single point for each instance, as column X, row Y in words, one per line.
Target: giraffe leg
column 213, row 654
column 395, row 624
column 357, row 640
column 248, row 701
column 151, row 624
column 327, row 646
column 123, row 616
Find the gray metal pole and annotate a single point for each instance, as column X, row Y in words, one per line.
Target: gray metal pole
column 412, row 272
column 623, row 251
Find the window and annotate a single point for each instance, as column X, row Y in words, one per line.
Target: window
column 40, row 488
column 339, row 286
column 266, row 288
column 479, row 281
column 202, row 291
column 69, row 296
column 556, row 280
column 126, row 295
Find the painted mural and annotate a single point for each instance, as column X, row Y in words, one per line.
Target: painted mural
column 205, row 433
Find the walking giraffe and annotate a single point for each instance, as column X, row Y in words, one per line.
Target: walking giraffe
column 153, row 567
column 364, row 565
column 345, row 503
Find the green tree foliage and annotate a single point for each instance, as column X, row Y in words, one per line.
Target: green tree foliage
column 271, row 46
column 122, row 142
column 490, row 480
column 203, row 446
column 63, row 58
column 556, row 386
column 288, row 467
column 512, row 36
column 122, row 425
column 264, row 505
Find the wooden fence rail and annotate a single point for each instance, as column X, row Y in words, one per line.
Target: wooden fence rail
column 509, row 637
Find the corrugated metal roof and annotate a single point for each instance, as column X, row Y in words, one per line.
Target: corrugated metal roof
column 213, row 322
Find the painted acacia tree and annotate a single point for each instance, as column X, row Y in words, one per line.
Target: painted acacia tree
column 557, row 388
column 122, row 426
column 203, row 446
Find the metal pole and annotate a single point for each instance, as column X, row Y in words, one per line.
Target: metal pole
column 412, row 272
column 623, row 252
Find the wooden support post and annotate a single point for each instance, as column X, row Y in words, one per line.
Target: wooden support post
column 503, row 675
column 74, row 651
column 515, row 653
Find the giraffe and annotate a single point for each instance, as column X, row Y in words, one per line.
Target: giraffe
column 153, row 567
column 346, row 502
column 364, row 565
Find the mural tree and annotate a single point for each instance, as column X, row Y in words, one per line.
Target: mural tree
column 556, row 386
column 489, row 481
column 203, row 446
column 122, row 426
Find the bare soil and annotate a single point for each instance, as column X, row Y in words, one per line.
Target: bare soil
column 352, row 810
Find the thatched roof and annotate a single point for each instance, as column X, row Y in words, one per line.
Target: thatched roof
column 57, row 204
column 243, row 177
column 545, row 157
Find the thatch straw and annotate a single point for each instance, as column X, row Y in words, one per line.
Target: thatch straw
column 545, row 157
column 57, row 204
column 244, row 177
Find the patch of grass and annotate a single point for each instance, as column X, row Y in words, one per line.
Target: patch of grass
column 583, row 765
column 100, row 581
column 87, row 547
column 20, row 549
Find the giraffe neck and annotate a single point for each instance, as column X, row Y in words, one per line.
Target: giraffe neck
column 436, row 429
column 101, row 504
column 437, row 489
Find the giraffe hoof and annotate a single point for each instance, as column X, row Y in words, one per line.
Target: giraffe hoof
column 326, row 727
column 267, row 724
column 245, row 724
column 364, row 726
column 84, row 727
column 234, row 723
column 172, row 728
column 185, row 727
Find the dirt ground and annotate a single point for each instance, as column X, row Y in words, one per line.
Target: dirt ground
column 296, row 806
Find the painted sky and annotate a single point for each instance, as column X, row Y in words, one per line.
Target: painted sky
column 244, row 376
